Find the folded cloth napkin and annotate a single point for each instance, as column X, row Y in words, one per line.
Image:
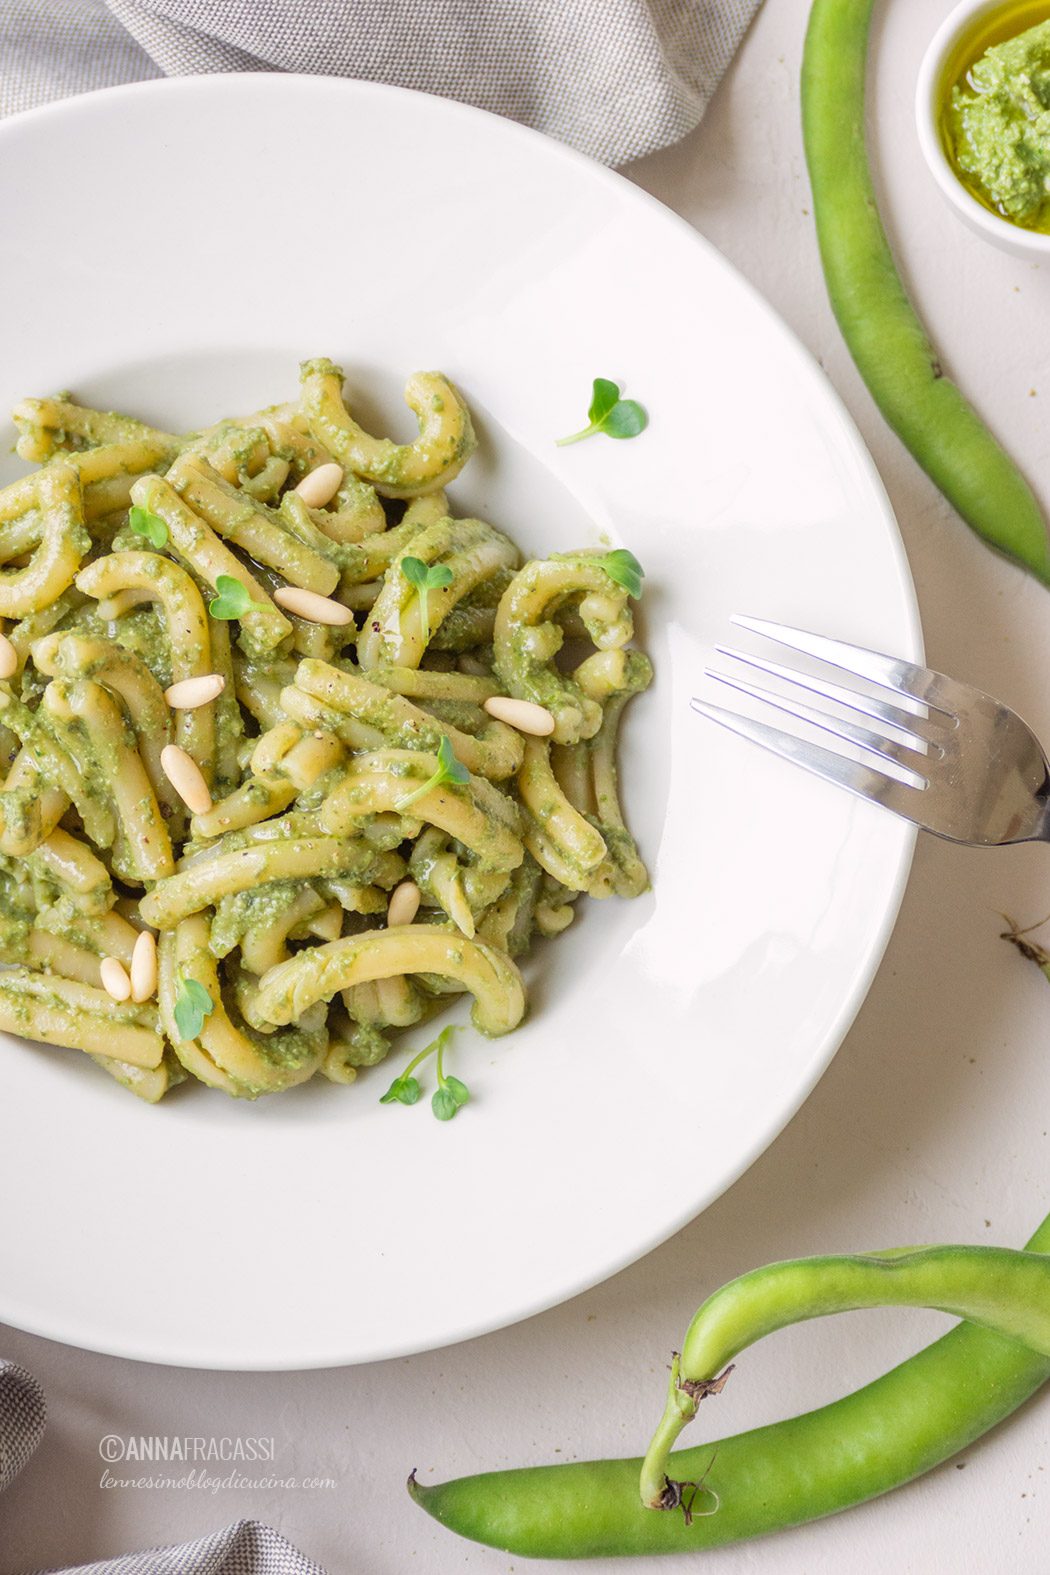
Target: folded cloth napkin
column 615, row 78
column 243, row 1549
column 22, row 1417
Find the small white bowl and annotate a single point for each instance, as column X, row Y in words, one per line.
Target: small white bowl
column 1010, row 237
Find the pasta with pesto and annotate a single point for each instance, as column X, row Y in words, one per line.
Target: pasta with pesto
column 256, row 680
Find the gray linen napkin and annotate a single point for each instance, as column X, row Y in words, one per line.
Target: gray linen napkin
column 614, row 78
column 242, row 1549
column 22, row 1417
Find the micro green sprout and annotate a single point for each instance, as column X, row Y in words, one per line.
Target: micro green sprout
column 449, row 770
column 192, row 1005
column 450, row 1095
column 232, row 600
column 616, row 417
column 148, row 525
column 426, row 577
column 623, row 567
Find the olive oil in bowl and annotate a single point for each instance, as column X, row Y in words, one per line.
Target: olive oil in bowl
column 994, row 111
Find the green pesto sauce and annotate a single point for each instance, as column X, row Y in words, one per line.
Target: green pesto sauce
column 1000, row 126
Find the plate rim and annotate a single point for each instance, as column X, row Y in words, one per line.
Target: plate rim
column 823, row 1050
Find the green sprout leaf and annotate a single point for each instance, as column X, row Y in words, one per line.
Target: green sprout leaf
column 449, row 770
column 459, row 1091
column 444, row 1104
column 616, row 417
column 623, row 567
column 192, row 1005
column 151, row 526
column 403, row 1090
column 450, row 1094
column 232, row 601
column 426, row 577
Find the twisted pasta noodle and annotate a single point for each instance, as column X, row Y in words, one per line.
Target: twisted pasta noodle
column 263, row 627
column 509, row 921
column 301, row 858
column 149, row 1084
column 436, row 871
column 527, row 638
column 74, row 953
column 475, row 813
column 246, row 523
column 396, row 470
column 495, row 752
column 185, row 625
column 62, row 755
column 29, row 811
column 470, row 549
column 64, row 541
column 622, row 873
column 74, row 655
column 141, row 845
column 393, row 1002
column 78, row 1017
column 319, row 973
column 560, row 839
column 226, row 1054
column 68, row 864
column 51, row 426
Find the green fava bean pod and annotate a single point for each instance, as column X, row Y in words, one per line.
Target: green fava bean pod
column 878, row 322
column 905, row 1423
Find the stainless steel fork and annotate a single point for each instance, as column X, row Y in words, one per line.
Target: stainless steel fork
column 951, row 759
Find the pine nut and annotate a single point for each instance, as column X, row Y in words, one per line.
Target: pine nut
column 314, row 608
column 404, row 903
column 115, row 981
column 8, row 658
column 144, row 966
column 189, row 693
column 321, row 485
column 525, row 715
column 185, row 776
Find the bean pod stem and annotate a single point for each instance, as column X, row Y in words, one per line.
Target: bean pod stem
column 879, row 324
column 905, row 1423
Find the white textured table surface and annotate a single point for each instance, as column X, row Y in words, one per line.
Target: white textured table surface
column 932, row 1123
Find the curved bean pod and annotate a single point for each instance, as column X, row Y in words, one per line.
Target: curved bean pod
column 397, row 470
column 881, row 1436
column 321, row 971
column 879, row 324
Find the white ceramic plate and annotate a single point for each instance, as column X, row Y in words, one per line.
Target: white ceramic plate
column 173, row 250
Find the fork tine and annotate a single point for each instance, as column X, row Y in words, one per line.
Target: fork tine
column 850, row 774
column 838, row 728
column 910, row 724
column 902, row 678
